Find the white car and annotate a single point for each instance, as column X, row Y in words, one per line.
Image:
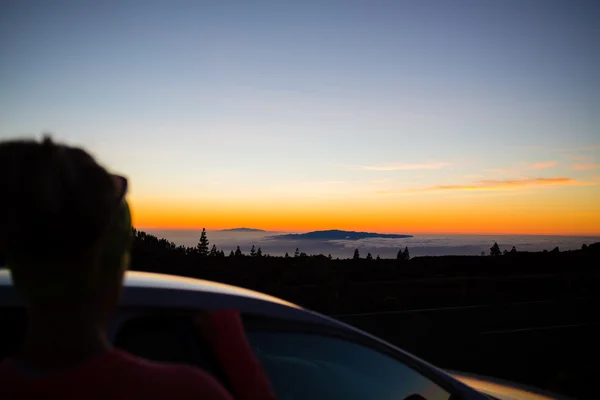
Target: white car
column 304, row 354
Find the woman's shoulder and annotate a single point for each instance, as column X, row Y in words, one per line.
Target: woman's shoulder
column 162, row 379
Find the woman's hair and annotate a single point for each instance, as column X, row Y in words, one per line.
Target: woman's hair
column 56, row 206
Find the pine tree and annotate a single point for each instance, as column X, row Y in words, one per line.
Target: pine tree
column 259, row 252
column 513, row 250
column 378, row 258
column 222, row 254
column 369, row 257
column 405, row 254
column 287, row 255
column 252, row 252
column 238, row 252
column 297, row 253
column 203, row 243
column 213, row 251
column 495, row 250
column 232, row 254
column 399, row 256
column 329, row 257
column 356, row 254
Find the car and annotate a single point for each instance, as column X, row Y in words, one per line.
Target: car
column 305, row 355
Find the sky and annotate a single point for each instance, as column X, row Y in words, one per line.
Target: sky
column 389, row 116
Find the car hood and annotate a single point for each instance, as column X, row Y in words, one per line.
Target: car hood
column 503, row 390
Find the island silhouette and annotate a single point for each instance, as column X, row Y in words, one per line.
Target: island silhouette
column 336, row 234
column 243, row 230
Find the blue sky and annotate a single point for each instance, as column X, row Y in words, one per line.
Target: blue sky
column 195, row 98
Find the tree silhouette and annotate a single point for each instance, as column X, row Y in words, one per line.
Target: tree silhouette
column 399, row 255
column 329, row 256
column 513, row 250
column 369, row 257
column 356, row 254
column 287, row 255
column 238, row 252
column 505, row 252
column 556, row 250
column 232, row 254
column 259, row 252
column 203, row 243
column 297, row 252
column 378, row 258
column 222, row 254
column 584, row 247
column 252, row 252
column 405, row 254
column 495, row 250
column 213, row 251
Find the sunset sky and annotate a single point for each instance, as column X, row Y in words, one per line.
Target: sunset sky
column 389, row 116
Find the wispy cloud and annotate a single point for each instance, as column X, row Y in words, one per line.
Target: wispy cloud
column 594, row 147
column 379, row 181
column 493, row 184
column 511, row 170
column 544, row 165
column 591, row 147
column 402, row 167
column 516, row 169
column 586, row 167
column 578, row 157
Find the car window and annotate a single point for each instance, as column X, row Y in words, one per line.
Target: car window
column 168, row 338
column 312, row 366
column 13, row 321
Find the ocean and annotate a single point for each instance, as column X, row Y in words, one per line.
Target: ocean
column 419, row 245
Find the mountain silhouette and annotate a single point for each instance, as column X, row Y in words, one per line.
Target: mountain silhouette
column 243, row 230
column 336, row 234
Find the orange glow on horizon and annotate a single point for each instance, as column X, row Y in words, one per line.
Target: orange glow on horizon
column 566, row 215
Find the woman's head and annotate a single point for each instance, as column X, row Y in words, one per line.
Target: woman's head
column 65, row 227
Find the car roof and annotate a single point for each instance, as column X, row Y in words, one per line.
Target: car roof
column 148, row 280
column 145, row 289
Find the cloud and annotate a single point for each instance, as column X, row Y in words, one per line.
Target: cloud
column 544, row 165
column 512, row 170
column 578, row 157
column 586, row 167
column 492, row 184
column 595, row 147
column 473, row 176
column 591, row 147
column 378, row 181
column 515, row 169
column 403, row 167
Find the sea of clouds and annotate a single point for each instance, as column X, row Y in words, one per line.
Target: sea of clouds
column 419, row 245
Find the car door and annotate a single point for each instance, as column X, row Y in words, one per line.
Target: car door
column 312, row 362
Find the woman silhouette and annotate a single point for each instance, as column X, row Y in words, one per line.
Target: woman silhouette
column 65, row 233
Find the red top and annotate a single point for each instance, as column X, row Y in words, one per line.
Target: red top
column 224, row 330
column 113, row 375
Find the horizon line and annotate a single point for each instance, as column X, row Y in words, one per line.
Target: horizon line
column 373, row 231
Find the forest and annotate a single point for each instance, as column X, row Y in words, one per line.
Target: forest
column 367, row 284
